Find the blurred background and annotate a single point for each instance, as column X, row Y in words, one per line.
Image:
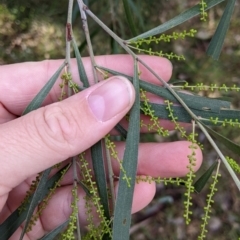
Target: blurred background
column 34, row 30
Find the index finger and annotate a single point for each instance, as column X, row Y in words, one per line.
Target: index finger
column 19, row 83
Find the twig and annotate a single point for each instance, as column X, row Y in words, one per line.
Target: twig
column 75, row 182
column 68, row 41
column 83, row 8
column 110, row 173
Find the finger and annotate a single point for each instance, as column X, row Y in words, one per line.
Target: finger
column 169, row 159
column 29, row 78
column 59, row 208
column 152, row 126
column 155, row 159
column 5, row 115
column 143, row 194
column 163, row 160
column 54, row 133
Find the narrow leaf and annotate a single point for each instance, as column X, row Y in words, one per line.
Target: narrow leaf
column 122, row 212
column 183, row 17
column 129, row 15
column 193, row 101
column 85, row 188
column 225, row 115
column 177, row 82
column 35, row 199
column 121, row 130
column 201, row 182
column 81, row 69
column 51, row 235
column 38, row 100
column 202, row 107
column 225, row 141
column 136, row 9
column 216, row 44
column 12, row 223
column 221, row 156
column 100, row 175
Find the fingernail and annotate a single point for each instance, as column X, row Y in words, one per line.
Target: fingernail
column 111, row 98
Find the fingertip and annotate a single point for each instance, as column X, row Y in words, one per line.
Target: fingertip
column 114, row 96
column 169, row 159
column 166, row 68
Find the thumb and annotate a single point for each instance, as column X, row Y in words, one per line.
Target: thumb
column 58, row 131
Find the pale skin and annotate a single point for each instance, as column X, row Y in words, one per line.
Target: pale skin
column 55, row 132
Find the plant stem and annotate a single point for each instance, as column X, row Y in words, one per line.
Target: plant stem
column 111, row 33
column 75, row 183
column 68, row 41
column 70, row 7
column 110, row 173
column 82, row 8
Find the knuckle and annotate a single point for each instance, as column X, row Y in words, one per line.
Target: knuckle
column 60, row 125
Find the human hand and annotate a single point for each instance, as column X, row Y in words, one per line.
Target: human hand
column 53, row 133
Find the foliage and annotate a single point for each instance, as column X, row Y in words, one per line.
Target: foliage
column 210, row 111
